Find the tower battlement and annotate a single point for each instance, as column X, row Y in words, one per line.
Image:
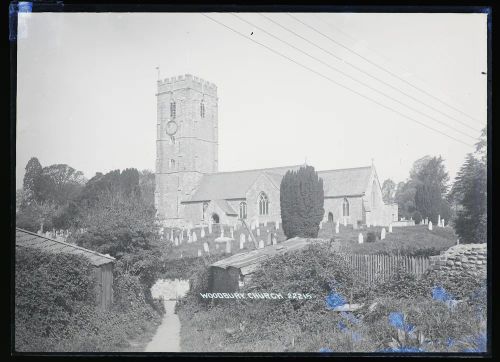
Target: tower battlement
column 187, row 81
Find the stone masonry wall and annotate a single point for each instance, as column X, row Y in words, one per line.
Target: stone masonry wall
column 462, row 258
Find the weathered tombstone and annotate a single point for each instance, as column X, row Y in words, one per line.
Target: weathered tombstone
column 242, row 241
column 39, row 232
column 337, row 227
column 258, row 232
column 382, row 234
column 209, row 227
column 205, row 247
column 265, row 223
column 194, row 238
column 442, row 222
column 355, row 225
column 172, row 234
column 390, row 228
column 261, row 244
column 277, row 224
column 430, row 225
column 232, row 233
column 228, row 246
column 274, row 240
column 176, row 241
column 345, row 222
column 269, row 239
column 458, row 241
column 202, row 234
column 439, row 221
column 360, row 238
column 199, row 252
column 252, row 225
column 321, row 225
column 221, row 231
column 189, row 236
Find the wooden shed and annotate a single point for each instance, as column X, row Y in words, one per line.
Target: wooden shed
column 103, row 264
column 227, row 275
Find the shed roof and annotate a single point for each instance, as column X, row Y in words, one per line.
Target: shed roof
column 28, row 239
column 247, row 262
column 234, row 185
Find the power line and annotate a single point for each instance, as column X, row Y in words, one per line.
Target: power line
column 337, row 83
column 382, row 68
column 350, row 77
column 368, row 74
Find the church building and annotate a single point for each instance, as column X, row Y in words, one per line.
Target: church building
column 190, row 191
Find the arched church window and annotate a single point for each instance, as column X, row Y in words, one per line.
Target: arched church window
column 345, row 207
column 263, row 204
column 374, row 195
column 204, row 210
column 202, row 109
column 243, row 210
column 173, row 109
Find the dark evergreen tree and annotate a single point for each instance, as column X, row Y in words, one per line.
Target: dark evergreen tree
column 301, row 202
column 31, row 181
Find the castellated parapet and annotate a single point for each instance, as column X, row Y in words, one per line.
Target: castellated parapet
column 187, row 81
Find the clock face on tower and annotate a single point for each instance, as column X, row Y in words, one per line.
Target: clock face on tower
column 171, row 128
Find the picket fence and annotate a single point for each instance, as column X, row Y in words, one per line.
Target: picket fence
column 381, row 267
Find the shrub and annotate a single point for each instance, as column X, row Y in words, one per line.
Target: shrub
column 371, row 237
column 417, row 217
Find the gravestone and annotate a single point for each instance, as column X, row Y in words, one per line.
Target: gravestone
column 265, row 223
column 202, row 232
column 274, row 240
column 355, row 225
column 258, row 232
column 277, row 224
column 221, row 231
column 189, row 237
column 199, row 252
column 269, row 239
column 382, row 234
column 430, row 225
column 242, row 241
column 390, row 228
column 172, row 234
column 232, row 233
column 439, row 221
column 345, row 222
column 205, row 247
column 209, row 227
column 261, row 244
column 368, row 225
column 176, row 241
column 228, row 247
column 194, row 238
column 360, row 238
column 337, row 227
column 320, row 225
column 442, row 222
column 252, row 225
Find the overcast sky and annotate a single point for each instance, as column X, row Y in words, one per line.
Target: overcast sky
column 87, row 83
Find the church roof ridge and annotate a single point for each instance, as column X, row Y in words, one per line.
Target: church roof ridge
column 254, row 170
column 345, row 169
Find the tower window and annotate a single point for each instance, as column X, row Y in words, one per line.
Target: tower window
column 345, row 207
column 263, row 204
column 243, row 210
column 171, row 163
column 173, row 109
column 202, row 109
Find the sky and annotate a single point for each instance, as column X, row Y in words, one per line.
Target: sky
column 86, row 87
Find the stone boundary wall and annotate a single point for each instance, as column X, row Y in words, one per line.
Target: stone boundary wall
column 461, row 258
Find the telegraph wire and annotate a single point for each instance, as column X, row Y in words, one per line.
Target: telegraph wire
column 356, row 80
column 337, row 83
column 371, row 76
column 382, row 68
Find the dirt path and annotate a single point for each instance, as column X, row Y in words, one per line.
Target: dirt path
column 167, row 337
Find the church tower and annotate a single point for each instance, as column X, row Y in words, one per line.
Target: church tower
column 186, row 142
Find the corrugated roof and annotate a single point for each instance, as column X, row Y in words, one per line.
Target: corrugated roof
column 28, row 239
column 247, row 262
column 234, row 185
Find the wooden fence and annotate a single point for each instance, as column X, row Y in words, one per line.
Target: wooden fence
column 382, row 267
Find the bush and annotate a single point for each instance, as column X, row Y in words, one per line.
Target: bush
column 371, row 237
column 417, row 217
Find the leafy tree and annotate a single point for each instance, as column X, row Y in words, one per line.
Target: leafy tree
column 430, row 171
column 405, row 198
column 469, row 190
column 388, row 189
column 428, row 201
column 147, row 186
column 301, row 201
column 60, row 183
column 31, row 181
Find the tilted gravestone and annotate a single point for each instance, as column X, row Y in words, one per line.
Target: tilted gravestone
column 360, row 238
column 382, row 234
column 261, row 244
column 430, row 225
column 202, row 232
column 390, row 228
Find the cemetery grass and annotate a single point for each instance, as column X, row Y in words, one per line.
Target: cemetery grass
column 311, row 326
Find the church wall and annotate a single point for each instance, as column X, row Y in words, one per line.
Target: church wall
column 334, row 205
column 263, row 184
column 380, row 213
